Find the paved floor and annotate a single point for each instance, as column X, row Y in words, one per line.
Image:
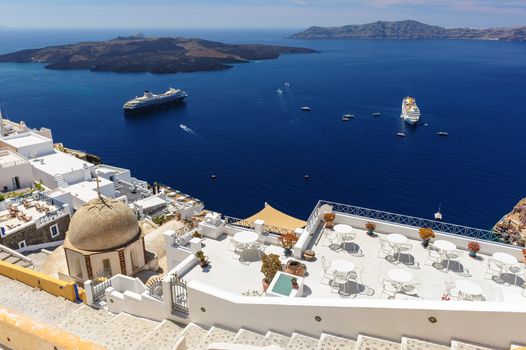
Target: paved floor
column 230, row 274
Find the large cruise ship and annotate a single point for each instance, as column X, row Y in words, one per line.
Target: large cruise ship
column 150, row 100
column 410, row 111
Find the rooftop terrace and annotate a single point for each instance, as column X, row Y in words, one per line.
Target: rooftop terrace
column 404, row 270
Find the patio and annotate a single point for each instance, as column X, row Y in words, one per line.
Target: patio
column 416, row 273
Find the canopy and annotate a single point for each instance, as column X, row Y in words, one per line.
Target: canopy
column 274, row 217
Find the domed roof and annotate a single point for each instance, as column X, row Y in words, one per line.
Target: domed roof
column 102, row 224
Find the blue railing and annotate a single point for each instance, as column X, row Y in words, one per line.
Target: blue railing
column 438, row 226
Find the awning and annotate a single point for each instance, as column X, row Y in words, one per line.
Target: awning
column 274, row 217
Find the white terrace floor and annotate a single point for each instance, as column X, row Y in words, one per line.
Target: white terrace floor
column 231, row 275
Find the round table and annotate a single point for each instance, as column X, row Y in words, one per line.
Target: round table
column 342, row 229
column 468, row 287
column 343, row 266
column 246, row 237
column 396, row 238
column 505, row 258
column 399, row 275
column 444, row 246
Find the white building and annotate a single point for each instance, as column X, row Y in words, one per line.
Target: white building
column 15, row 171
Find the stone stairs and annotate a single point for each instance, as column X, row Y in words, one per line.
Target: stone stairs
column 126, row 332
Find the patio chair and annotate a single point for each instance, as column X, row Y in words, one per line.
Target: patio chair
column 386, row 248
column 451, row 289
column 411, row 289
column 356, row 275
column 454, row 255
column 434, row 258
column 516, row 270
column 327, row 272
column 494, row 269
column 339, row 281
column 348, row 238
column 389, row 288
column 259, row 247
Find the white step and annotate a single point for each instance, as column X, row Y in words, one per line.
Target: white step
column 273, row 338
column 459, row 345
column 125, row 332
column 370, row 343
column 87, row 323
column 416, row 344
column 162, row 337
column 302, row 342
column 194, row 335
column 332, row 342
column 217, row 335
column 247, row 337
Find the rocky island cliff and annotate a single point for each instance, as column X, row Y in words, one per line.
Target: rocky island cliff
column 154, row 55
column 512, row 227
column 410, row 29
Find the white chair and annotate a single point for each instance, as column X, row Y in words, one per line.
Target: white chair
column 516, row 270
column 386, row 248
column 494, row 269
column 327, row 271
column 340, row 280
column 258, row 247
column 411, row 289
column 239, row 251
column 453, row 255
column 356, row 275
column 451, row 289
column 389, row 288
column 347, row 238
column 434, row 257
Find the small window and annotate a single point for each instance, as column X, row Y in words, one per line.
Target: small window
column 106, row 266
column 22, row 244
column 54, row 231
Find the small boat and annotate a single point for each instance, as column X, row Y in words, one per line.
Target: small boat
column 305, row 109
column 442, row 133
column 347, row 117
column 287, row 84
column 401, row 134
column 438, row 214
column 280, row 92
column 376, row 114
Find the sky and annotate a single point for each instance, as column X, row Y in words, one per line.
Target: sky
column 256, row 13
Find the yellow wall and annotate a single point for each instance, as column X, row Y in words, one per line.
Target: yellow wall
column 21, row 332
column 39, row 280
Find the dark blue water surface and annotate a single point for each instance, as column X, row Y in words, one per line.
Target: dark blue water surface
column 259, row 144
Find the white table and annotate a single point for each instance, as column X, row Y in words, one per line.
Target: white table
column 399, row 275
column 246, row 237
column 445, row 246
column 342, row 266
column 342, row 229
column 468, row 288
column 505, row 258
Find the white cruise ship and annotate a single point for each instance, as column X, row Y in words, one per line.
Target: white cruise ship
column 410, row 111
column 150, row 100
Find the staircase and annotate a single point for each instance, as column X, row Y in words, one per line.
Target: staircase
column 125, row 332
column 13, row 257
column 61, row 182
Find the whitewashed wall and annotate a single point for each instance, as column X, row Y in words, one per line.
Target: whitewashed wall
column 492, row 324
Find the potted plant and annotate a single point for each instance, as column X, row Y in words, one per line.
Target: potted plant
column 203, row 259
column 329, row 219
column 287, row 240
column 473, row 247
column 370, row 227
column 294, row 267
column 426, row 233
column 269, row 267
column 294, row 282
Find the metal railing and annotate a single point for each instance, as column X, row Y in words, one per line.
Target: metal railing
column 242, row 223
column 183, row 235
column 406, row 220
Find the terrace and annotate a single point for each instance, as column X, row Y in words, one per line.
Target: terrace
column 382, row 266
column 27, row 210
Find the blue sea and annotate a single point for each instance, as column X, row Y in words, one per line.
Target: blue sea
column 260, row 145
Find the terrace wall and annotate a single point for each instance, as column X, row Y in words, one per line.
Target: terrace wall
column 489, row 323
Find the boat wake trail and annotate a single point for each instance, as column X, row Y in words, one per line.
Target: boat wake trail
column 187, row 129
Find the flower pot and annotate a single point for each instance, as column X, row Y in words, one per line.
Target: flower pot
column 287, row 251
column 370, row 232
column 203, row 263
column 473, row 253
column 295, row 268
column 295, row 286
column 425, row 243
column 265, row 285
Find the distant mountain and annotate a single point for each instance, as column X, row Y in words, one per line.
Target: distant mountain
column 154, row 55
column 410, row 30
